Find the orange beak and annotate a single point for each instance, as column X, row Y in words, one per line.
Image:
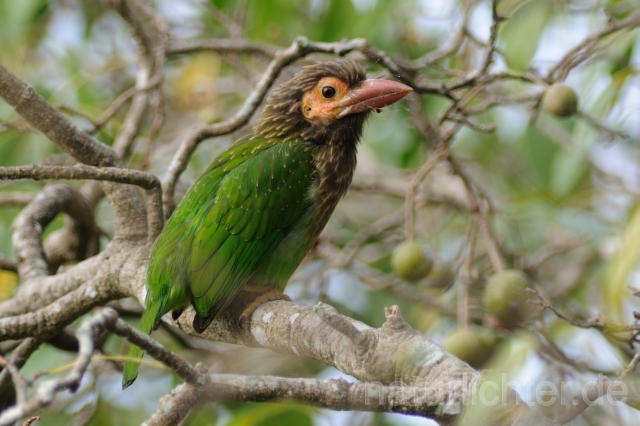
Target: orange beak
column 372, row 94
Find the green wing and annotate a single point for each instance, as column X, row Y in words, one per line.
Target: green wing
column 262, row 195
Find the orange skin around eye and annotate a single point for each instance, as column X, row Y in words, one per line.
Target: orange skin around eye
column 316, row 107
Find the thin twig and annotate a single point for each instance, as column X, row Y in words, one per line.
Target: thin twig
column 117, row 103
column 177, row 364
column 47, row 390
column 230, row 24
column 581, row 51
column 30, row 420
column 8, row 265
column 630, row 367
column 452, row 45
column 20, row 382
column 464, row 274
column 416, row 180
column 240, row 12
column 221, row 45
column 596, row 322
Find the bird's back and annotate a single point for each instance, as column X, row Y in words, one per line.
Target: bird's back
column 229, row 222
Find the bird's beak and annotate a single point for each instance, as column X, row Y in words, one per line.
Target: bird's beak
column 372, row 94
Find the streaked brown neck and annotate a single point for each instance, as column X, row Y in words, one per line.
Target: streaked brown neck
column 335, row 161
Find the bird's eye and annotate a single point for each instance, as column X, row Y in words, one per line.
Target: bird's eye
column 328, row 92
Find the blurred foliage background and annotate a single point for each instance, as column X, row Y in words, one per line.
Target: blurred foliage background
column 564, row 191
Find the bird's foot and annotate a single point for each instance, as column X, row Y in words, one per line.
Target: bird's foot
column 267, row 296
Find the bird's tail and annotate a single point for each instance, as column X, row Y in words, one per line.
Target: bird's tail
column 147, row 323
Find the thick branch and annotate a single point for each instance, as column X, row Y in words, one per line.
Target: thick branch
column 57, row 300
column 335, row 394
column 421, row 395
column 395, row 352
column 52, row 318
column 27, row 227
column 42, row 116
column 112, row 174
column 79, row 144
column 15, row 198
column 45, row 290
column 394, row 355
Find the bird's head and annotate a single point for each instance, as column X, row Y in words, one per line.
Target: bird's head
column 325, row 102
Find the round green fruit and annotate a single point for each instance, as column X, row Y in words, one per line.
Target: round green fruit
column 473, row 347
column 560, row 100
column 409, row 261
column 505, row 297
column 441, row 276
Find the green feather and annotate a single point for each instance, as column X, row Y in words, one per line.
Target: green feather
column 229, row 222
column 248, row 216
column 147, row 323
column 258, row 209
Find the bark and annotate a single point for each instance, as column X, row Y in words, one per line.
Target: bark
column 397, row 366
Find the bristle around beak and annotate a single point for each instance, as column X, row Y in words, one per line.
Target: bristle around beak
column 371, row 95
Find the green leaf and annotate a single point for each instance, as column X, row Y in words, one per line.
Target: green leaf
column 272, row 414
column 567, row 170
column 521, row 33
column 539, row 150
column 621, row 265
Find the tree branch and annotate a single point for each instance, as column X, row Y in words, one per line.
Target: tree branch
column 48, row 389
column 28, row 226
column 334, row 394
column 113, row 174
column 79, row 144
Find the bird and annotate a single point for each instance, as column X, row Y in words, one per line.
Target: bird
column 250, row 219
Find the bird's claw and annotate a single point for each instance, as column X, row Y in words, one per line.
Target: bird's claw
column 245, row 317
